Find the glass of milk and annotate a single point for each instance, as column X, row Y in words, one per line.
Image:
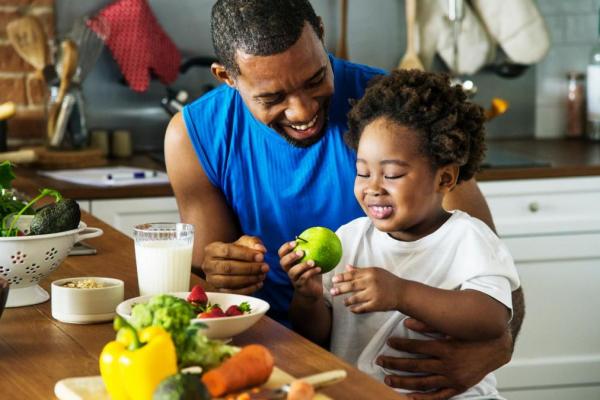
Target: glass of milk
column 163, row 256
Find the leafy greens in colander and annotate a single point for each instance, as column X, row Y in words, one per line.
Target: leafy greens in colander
column 10, row 205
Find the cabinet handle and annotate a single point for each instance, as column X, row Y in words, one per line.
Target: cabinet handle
column 534, row 206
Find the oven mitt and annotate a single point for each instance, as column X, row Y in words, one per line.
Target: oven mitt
column 475, row 47
column 138, row 43
column 517, row 26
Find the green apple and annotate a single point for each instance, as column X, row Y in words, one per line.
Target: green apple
column 320, row 245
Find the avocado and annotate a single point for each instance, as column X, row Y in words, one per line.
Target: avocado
column 61, row 216
column 181, row 386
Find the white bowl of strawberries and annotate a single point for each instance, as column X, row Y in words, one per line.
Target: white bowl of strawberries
column 224, row 314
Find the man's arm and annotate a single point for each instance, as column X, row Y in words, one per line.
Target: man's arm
column 199, row 202
column 518, row 301
column 468, row 198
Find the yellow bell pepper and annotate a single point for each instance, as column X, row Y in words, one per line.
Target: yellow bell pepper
column 135, row 363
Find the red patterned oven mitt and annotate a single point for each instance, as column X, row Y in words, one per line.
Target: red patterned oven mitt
column 139, row 44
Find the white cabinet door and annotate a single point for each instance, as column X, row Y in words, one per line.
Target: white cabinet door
column 125, row 214
column 552, row 228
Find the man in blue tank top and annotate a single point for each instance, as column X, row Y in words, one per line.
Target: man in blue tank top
column 261, row 158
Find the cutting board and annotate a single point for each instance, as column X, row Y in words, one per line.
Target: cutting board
column 44, row 158
column 61, row 159
column 92, row 387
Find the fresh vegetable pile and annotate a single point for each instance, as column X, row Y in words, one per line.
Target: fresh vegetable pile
column 174, row 315
column 205, row 309
column 151, row 353
column 60, row 216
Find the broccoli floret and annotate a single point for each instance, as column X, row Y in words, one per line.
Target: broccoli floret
column 181, row 386
column 61, row 216
column 170, row 312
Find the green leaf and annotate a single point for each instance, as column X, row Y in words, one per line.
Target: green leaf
column 51, row 192
column 44, row 192
column 244, row 307
column 6, row 175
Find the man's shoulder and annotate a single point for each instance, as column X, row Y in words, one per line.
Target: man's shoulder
column 354, row 68
column 212, row 113
column 216, row 97
column 351, row 80
column 354, row 75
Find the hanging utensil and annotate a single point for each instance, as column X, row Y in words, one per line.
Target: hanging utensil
column 410, row 60
column 29, row 40
column 342, row 48
column 90, row 43
column 456, row 13
column 68, row 67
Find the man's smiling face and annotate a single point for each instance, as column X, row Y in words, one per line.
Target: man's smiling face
column 289, row 91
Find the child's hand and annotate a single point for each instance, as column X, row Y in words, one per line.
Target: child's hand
column 372, row 289
column 305, row 277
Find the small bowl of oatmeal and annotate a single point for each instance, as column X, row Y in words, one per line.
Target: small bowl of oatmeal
column 84, row 300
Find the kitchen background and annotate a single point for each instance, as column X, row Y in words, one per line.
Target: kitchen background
column 376, row 36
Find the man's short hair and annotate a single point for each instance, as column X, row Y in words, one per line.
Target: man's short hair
column 258, row 27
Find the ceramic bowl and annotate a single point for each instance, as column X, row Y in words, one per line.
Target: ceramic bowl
column 86, row 305
column 216, row 328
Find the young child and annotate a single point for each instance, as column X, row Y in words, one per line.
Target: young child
column 416, row 139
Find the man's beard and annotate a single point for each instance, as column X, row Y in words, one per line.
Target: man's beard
column 304, row 143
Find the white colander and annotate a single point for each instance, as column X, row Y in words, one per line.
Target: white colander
column 26, row 260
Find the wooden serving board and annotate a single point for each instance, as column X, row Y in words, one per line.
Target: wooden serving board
column 59, row 159
column 92, row 387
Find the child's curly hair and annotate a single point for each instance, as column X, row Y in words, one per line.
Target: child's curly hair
column 449, row 126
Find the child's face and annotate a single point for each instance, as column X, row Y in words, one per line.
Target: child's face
column 395, row 184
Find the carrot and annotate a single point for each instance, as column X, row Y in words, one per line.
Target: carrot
column 250, row 367
column 301, row 390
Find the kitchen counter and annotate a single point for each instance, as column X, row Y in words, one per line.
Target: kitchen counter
column 29, row 182
column 513, row 159
column 37, row 350
column 554, row 158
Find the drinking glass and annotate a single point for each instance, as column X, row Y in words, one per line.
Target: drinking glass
column 163, row 256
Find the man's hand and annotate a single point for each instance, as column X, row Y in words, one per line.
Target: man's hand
column 236, row 267
column 453, row 366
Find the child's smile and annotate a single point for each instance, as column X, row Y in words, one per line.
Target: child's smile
column 395, row 183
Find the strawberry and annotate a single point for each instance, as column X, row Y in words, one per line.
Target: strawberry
column 197, row 296
column 212, row 312
column 233, row 310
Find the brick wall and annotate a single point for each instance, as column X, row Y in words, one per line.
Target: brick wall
column 18, row 80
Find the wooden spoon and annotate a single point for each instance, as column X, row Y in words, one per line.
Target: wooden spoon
column 29, row 40
column 69, row 59
column 342, row 48
column 411, row 58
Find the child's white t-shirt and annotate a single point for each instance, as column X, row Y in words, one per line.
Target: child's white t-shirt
column 463, row 253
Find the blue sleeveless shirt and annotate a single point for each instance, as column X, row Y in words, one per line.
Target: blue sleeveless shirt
column 277, row 190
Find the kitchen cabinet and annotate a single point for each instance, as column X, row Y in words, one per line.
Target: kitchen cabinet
column 124, row 214
column 552, row 228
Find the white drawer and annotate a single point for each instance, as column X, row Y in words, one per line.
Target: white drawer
column 543, row 206
column 559, row 341
column 554, row 247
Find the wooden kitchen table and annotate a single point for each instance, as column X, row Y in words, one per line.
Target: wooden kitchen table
column 36, row 351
